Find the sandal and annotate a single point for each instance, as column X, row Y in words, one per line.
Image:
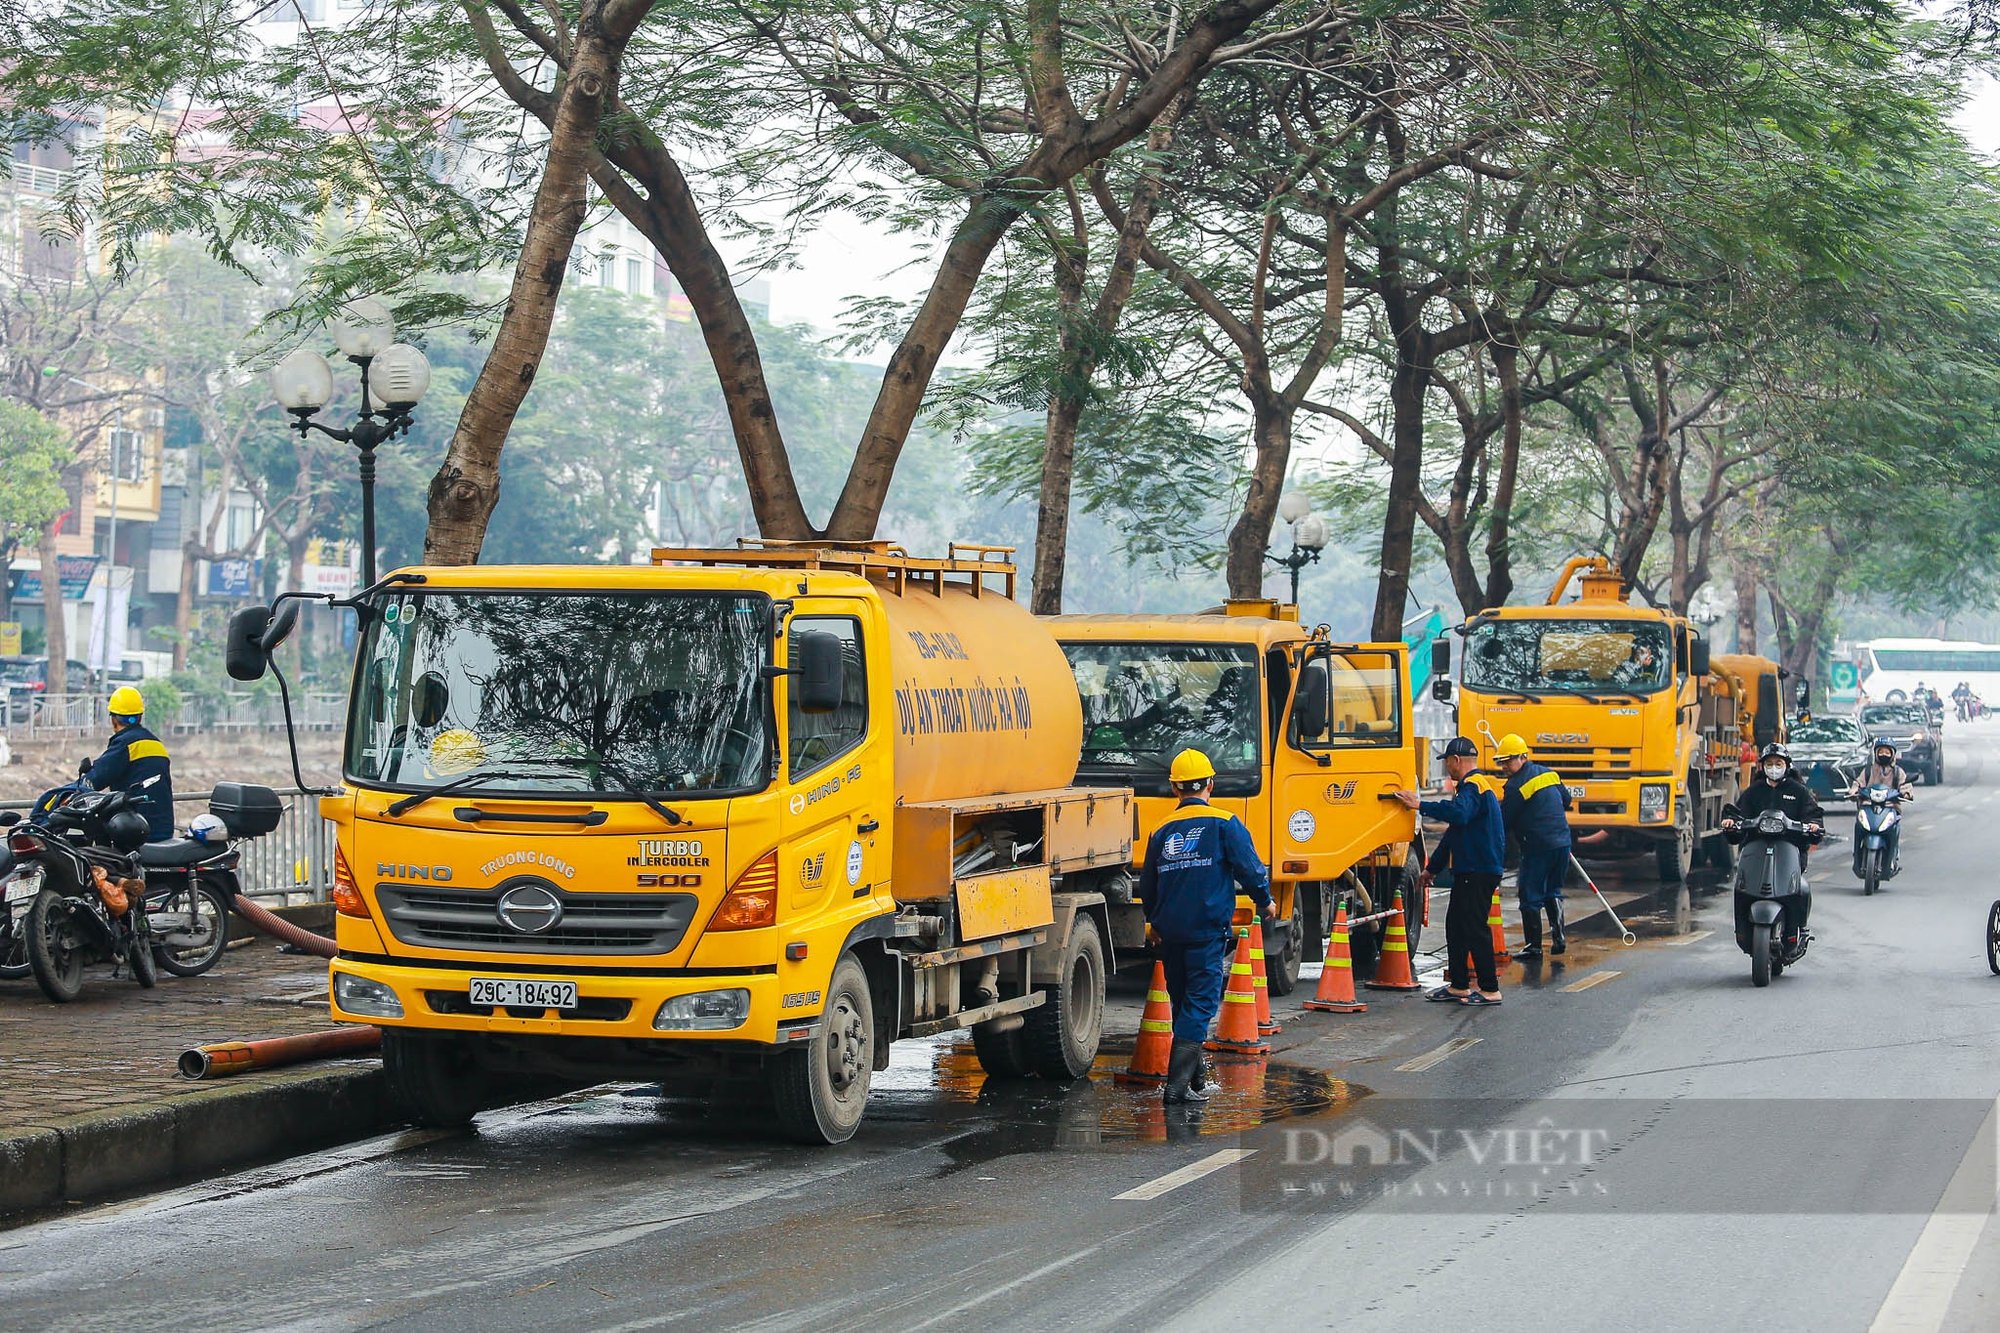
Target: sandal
column 1446, row 995
column 1476, row 1000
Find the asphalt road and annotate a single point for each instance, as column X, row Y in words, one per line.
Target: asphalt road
column 1636, row 1138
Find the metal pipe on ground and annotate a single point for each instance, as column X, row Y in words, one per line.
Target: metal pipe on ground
column 271, row 924
column 236, row 1057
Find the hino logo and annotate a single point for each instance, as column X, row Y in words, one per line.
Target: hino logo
column 390, row 870
column 530, row 908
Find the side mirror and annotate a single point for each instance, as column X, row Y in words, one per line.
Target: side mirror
column 1441, row 690
column 1309, row 704
column 820, row 681
column 1698, row 656
column 9, row 818
column 1440, row 657
column 243, row 654
column 283, row 620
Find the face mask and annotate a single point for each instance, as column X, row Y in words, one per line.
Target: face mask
column 1884, row 760
column 1775, row 772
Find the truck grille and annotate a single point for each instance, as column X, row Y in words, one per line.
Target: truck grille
column 1593, row 761
column 598, row 923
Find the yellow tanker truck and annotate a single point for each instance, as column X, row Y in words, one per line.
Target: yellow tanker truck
column 740, row 815
column 1308, row 737
column 1619, row 700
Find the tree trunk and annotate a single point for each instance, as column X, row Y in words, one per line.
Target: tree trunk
column 1500, row 515
column 1746, row 607
column 1250, row 537
column 908, row 375
column 52, row 608
column 467, row 485
column 1406, row 462
column 184, row 606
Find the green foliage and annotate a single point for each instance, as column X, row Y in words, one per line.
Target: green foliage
column 33, row 453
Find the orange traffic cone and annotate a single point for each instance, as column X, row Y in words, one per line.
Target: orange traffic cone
column 1336, row 978
column 1392, row 968
column 1499, row 928
column 1156, row 1034
column 1236, row 1033
column 1261, row 979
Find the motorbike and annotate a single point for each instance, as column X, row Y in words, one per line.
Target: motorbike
column 82, row 850
column 1878, row 812
column 18, row 887
column 1770, row 878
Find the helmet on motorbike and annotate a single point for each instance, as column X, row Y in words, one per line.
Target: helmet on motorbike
column 127, row 830
column 1885, row 745
column 1775, row 753
column 208, row 828
column 126, row 702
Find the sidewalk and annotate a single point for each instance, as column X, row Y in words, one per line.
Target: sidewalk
column 91, row 1105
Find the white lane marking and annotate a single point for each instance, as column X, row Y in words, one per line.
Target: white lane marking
column 1432, row 1059
column 1687, row 939
column 1594, row 979
column 1921, row 1296
column 1925, row 828
column 1188, row 1174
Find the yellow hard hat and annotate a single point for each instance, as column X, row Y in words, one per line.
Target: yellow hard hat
column 1511, row 747
column 456, row 750
column 126, row 702
column 1190, row 766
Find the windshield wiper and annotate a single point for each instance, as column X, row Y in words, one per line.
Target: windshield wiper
column 398, row 809
column 627, row 785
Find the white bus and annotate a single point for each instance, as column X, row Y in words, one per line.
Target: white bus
column 1891, row 669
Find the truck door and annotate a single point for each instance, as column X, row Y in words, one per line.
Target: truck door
column 1345, row 746
column 836, row 788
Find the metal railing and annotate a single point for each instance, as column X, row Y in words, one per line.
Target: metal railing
column 27, row 716
column 293, row 862
column 39, row 180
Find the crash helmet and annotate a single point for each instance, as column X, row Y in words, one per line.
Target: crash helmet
column 208, row 828
column 127, row 830
column 126, row 704
column 1775, row 751
column 1511, row 747
column 1189, row 767
column 1884, row 743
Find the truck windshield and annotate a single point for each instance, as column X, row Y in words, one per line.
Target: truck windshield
column 1569, row 657
column 591, row 692
column 1145, row 702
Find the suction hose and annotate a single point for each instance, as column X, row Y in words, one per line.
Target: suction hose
column 235, row 1057
column 317, row 945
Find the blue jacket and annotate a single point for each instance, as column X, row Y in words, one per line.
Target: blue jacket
column 136, row 762
column 1476, row 842
column 1535, row 807
column 1194, row 861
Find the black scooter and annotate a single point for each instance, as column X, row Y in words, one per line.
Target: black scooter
column 68, row 924
column 1771, row 894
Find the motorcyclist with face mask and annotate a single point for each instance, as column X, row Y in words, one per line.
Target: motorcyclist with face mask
column 1776, row 788
column 1883, row 772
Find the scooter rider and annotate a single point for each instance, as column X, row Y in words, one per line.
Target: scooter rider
column 1535, row 808
column 1777, row 788
column 135, row 761
column 1884, row 771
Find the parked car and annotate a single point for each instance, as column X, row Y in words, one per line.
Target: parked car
column 1919, row 744
column 23, row 678
column 1827, row 752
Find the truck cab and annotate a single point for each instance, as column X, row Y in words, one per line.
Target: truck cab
column 1308, row 737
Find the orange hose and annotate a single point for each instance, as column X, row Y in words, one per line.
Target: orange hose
column 317, row 945
column 235, row 1057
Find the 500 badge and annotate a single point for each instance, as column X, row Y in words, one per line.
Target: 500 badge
column 670, row 881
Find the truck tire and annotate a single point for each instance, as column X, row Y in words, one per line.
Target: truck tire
column 1316, row 920
column 1676, row 853
column 1002, row 1052
column 1413, row 902
column 1061, row 1037
column 1281, row 965
column 821, row 1092
column 437, row 1081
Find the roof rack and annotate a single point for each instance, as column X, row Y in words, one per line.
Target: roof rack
column 883, row 562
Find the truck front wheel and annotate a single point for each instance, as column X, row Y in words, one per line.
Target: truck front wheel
column 438, row 1081
column 1061, row 1036
column 1675, row 854
column 820, row 1092
column 1281, row 965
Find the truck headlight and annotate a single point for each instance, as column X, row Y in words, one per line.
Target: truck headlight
column 704, row 1011
column 1653, row 798
column 370, row 999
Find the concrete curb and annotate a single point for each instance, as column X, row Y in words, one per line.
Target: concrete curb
column 84, row 1158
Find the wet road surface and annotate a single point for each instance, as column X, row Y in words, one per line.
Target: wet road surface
column 1636, row 1137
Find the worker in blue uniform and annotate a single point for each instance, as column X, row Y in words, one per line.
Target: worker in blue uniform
column 1195, row 861
column 136, row 761
column 1536, row 806
column 1472, row 849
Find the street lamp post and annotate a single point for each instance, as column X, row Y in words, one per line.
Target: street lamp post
column 1309, row 537
column 393, row 379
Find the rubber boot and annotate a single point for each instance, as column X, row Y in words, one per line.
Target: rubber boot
column 1182, row 1064
column 1558, row 942
column 1200, row 1079
column 1531, row 935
